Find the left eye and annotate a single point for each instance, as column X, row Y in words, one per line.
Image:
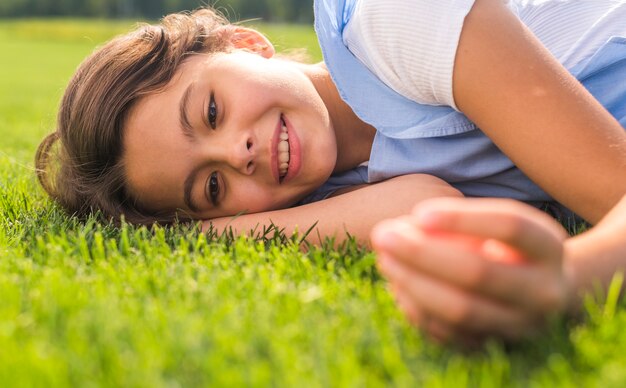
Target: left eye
column 212, row 113
column 213, row 188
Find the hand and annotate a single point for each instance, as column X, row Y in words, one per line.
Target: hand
column 467, row 269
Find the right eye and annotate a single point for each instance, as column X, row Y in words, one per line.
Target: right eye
column 213, row 188
column 212, row 112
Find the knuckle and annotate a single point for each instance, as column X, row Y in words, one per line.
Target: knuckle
column 460, row 313
column 441, row 338
column 414, row 316
column 512, row 228
column 438, row 331
column 552, row 298
column 519, row 324
column 477, row 274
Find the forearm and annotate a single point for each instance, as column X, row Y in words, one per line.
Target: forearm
column 595, row 256
column 319, row 222
column 355, row 212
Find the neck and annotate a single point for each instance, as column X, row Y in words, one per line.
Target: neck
column 354, row 136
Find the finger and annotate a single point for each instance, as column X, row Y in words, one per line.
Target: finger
column 439, row 331
column 411, row 311
column 435, row 329
column 455, row 307
column 518, row 225
column 445, row 334
column 450, row 261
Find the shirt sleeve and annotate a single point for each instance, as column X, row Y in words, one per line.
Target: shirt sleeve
column 409, row 44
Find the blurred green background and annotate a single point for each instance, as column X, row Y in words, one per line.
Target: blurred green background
column 295, row 11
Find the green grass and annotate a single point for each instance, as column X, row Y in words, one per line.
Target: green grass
column 88, row 304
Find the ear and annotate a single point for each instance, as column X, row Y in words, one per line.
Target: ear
column 252, row 40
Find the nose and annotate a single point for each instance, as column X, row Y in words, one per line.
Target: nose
column 237, row 152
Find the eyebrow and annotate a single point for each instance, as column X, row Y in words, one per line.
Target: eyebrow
column 185, row 124
column 187, row 129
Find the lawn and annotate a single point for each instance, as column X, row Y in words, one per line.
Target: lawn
column 89, row 304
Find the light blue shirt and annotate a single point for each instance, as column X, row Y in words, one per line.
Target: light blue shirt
column 437, row 140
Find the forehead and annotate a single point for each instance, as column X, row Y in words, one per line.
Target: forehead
column 155, row 148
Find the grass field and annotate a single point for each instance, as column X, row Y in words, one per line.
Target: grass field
column 87, row 304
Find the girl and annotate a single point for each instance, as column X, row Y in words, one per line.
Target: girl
column 198, row 119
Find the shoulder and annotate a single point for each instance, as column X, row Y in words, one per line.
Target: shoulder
column 410, row 45
column 381, row 19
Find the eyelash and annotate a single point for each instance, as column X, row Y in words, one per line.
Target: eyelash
column 213, row 188
column 212, row 113
column 213, row 183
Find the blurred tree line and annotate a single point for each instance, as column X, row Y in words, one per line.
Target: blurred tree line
column 299, row 11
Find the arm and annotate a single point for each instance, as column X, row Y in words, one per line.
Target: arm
column 355, row 212
column 596, row 255
column 537, row 113
column 493, row 267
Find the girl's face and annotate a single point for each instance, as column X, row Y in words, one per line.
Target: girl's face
column 216, row 140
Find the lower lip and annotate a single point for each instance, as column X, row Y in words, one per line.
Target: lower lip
column 295, row 155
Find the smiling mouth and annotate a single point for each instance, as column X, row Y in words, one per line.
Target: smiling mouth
column 283, row 151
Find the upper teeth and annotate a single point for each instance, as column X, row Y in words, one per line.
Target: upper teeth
column 283, row 151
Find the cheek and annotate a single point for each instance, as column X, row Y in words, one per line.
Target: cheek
column 254, row 199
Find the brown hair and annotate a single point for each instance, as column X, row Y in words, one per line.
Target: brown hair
column 80, row 164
